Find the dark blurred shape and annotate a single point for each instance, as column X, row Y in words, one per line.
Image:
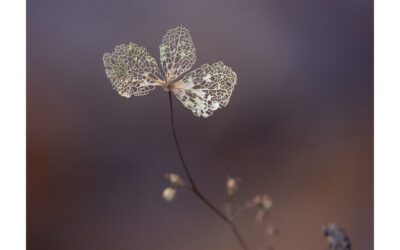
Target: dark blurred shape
column 336, row 237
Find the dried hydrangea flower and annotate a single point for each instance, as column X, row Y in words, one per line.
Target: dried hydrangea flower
column 133, row 71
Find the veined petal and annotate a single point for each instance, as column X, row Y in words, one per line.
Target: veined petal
column 131, row 70
column 177, row 53
column 206, row 89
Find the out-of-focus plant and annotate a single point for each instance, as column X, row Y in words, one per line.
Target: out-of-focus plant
column 337, row 238
column 133, row 71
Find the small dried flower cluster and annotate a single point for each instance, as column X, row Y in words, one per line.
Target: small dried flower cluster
column 169, row 193
column 262, row 202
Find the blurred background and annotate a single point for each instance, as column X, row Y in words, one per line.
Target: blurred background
column 298, row 127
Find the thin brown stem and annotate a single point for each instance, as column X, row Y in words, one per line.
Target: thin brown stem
column 189, row 176
column 194, row 188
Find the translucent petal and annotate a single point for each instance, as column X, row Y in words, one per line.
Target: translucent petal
column 132, row 70
column 206, row 89
column 177, row 53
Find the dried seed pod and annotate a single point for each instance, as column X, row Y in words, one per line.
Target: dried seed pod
column 232, row 186
column 169, row 194
column 175, row 180
column 265, row 202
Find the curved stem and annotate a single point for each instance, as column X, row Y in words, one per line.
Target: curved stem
column 177, row 144
column 194, row 188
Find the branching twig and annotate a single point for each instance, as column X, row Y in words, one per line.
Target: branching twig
column 194, row 188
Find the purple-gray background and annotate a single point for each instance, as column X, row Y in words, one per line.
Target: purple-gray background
column 299, row 124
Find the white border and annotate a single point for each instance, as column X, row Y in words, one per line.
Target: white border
column 12, row 132
column 387, row 124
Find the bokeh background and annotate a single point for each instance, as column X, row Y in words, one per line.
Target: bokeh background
column 298, row 127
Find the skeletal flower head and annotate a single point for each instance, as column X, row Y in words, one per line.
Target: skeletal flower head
column 133, row 71
column 175, row 180
column 232, row 185
column 169, row 194
column 336, row 237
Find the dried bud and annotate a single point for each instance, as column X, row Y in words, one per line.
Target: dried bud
column 232, row 185
column 169, row 194
column 271, row 231
column 266, row 202
column 175, row 180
